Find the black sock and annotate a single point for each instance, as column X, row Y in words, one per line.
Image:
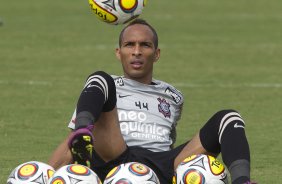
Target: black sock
column 225, row 133
column 98, row 95
column 237, row 170
column 235, row 149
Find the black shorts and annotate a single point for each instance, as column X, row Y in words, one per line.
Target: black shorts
column 161, row 162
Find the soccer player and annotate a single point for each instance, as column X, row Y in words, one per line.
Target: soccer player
column 133, row 118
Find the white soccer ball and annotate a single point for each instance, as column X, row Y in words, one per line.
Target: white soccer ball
column 200, row 169
column 132, row 173
column 117, row 11
column 74, row 174
column 32, row 172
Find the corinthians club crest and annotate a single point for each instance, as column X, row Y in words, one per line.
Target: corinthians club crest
column 164, row 108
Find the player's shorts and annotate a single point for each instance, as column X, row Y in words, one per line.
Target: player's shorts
column 161, row 162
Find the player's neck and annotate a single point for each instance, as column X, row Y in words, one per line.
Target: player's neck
column 148, row 81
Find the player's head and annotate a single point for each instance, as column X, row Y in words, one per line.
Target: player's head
column 141, row 22
column 138, row 51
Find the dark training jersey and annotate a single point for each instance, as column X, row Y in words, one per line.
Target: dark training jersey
column 148, row 114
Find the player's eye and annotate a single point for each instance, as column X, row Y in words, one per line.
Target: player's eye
column 128, row 44
column 146, row 44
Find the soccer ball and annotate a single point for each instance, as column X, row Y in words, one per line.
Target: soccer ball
column 200, row 169
column 131, row 173
column 117, row 11
column 33, row 172
column 74, row 174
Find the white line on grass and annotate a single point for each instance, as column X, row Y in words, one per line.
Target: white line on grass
column 221, row 85
column 29, row 82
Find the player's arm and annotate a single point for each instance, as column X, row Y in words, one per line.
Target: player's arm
column 173, row 133
column 61, row 156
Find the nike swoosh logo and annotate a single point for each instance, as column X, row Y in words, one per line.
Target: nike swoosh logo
column 123, row 96
column 238, row 126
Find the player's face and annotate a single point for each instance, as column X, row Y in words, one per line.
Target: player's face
column 137, row 53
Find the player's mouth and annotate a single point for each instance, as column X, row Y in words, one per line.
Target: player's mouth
column 136, row 64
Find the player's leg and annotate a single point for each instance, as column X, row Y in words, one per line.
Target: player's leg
column 96, row 108
column 61, row 156
column 108, row 143
column 224, row 133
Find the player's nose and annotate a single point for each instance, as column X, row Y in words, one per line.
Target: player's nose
column 137, row 50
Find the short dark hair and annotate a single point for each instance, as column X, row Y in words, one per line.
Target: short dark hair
column 142, row 22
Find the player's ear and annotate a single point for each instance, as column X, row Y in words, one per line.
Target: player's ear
column 118, row 53
column 157, row 54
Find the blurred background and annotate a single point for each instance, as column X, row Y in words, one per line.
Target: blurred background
column 220, row 54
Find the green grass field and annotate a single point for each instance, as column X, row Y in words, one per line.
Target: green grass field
column 220, row 54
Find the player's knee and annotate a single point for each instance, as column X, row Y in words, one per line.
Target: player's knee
column 225, row 114
column 103, row 75
column 219, row 117
column 223, row 118
column 222, row 113
column 103, row 80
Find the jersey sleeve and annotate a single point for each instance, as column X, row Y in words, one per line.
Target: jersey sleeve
column 177, row 99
